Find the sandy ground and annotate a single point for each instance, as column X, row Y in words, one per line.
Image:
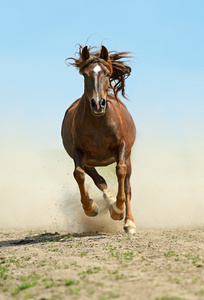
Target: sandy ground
column 157, row 264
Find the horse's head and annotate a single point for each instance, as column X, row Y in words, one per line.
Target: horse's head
column 102, row 70
column 96, row 80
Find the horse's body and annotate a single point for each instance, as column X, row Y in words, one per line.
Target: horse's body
column 98, row 130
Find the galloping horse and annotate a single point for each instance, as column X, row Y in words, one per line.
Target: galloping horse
column 98, row 130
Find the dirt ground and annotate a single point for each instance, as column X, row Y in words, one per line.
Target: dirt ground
column 157, row 264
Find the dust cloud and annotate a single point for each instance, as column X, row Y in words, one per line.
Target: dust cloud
column 168, row 189
column 38, row 190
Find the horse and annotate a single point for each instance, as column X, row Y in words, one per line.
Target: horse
column 97, row 130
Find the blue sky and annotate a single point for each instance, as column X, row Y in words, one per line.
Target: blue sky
column 166, row 87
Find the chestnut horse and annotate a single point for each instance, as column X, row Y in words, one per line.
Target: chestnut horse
column 98, row 130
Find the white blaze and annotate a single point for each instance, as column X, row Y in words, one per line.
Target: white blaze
column 96, row 69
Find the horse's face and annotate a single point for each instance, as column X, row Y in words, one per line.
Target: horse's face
column 96, row 78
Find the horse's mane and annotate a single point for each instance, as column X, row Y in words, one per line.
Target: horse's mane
column 118, row 68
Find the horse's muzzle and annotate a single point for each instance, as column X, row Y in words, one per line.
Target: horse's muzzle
column 98, row 108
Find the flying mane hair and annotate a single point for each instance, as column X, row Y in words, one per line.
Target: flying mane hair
column 118, row 68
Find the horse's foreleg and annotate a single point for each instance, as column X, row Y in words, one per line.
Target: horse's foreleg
column 129, row 226
column 89, row 206
column 117, row 209
column 101, row 184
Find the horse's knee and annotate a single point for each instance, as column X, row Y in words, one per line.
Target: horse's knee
column 121, row 170
column 79, row 175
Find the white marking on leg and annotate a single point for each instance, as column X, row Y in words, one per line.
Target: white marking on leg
column 108, row 197
column 129, row 224
column 116, row 209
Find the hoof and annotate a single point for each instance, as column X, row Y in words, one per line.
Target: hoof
column 94, row 211
column 130, row 227
column 116, row 213
column 108, row 197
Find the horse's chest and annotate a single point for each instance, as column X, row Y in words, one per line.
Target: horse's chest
column 97, row 143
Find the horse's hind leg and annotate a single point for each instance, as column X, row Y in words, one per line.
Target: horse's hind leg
column 101, row 184
column 89, row 206
column 117, row 209
column 129, row 226
column 98, row 179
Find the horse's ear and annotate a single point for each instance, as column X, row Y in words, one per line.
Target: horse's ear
column 85, row 53
column 104, row 53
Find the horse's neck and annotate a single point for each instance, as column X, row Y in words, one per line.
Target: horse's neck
column 86, row 105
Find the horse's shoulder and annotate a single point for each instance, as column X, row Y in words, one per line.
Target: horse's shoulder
column 74, row 105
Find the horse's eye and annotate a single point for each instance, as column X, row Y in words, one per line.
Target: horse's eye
column 108, row 74
column 85, row 75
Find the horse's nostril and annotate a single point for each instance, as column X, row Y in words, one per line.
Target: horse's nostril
column 93, row 103
column 103, row 102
